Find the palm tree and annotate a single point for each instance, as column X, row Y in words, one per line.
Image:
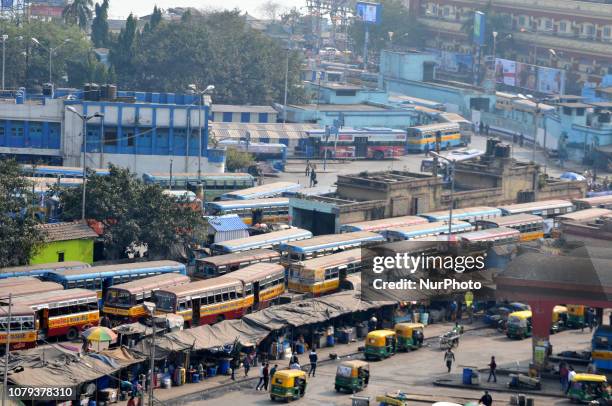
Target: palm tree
column 78, row 12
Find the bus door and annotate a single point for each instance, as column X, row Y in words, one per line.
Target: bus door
column 43, row 317
column 257, row 216
column 361, row 147
column 256, row 289
column 195, row 311
column 342, row 273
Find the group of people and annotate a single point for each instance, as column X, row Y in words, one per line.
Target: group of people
column 265, row 372
column 311, row 171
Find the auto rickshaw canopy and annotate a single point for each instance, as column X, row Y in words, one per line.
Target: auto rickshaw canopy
column 286, row 377
column 590, row 378
column 379, row 337
column 405, row 329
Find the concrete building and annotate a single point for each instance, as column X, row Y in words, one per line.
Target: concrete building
column 229, row 113
column 65, row 242
column 494, row 180
column 142, row 131
column 580, row 32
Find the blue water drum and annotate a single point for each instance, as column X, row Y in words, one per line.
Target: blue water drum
column 467, row 376
column 299, row 348
column 330, row 341
column 224, row 366
column 211, row 371
column 195, row 378
column 92, row 403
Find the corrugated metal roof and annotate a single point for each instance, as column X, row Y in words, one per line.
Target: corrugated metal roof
column 230, row 222
column 244, row 108
column 261, row 130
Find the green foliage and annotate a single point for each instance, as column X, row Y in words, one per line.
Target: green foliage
column 237, row 160
column 217, row 48
column 78, row 13
column 406, row 29
column 99, row 26
column 156, row 18
column 133, row 213
column 28, row 64
column 19, row 239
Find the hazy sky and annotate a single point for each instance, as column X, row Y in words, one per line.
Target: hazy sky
column 122, row 8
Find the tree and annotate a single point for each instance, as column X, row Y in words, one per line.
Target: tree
column 156, row 18
column 123, row 51
column 133, row 214
column 78, row 13
column 237, row 160
column 19, row 238
column 270, row 9
column 99, row 25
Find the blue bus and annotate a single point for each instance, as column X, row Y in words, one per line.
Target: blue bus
column 425, row 230
column 100, row 278
column 470, row 214
column 41, row 270
column 601, row 348
column 274, row 189
column 326, row 244
column 268, row 240
column 213, row 184
column 274, row 154
column 45, row 171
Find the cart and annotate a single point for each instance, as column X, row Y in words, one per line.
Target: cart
column 449, row 340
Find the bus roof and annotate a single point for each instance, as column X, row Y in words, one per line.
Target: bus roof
column 437, row 127
column 51, row 266
column 414, row 246
column 250, row 203
column 16, row 310
column 436, row 226
column 152, row 283
column 66, row 170
column 596, row 201
column 275, row 237
column 119, row 269
column 490, row 233
column 18, row 280
column 164, row 176
column 271, row 189
column 331, row 241
column 377, row 225
column 340, row 258
column 47, row 299
column 585, row 215
column 258, row 254
column 194, row 288
column 460, row 214
column 514, row 220
column 535, row 206
column 28, row 289
column 257, row 272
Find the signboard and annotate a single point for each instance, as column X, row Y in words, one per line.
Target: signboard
column 550, row 80
column 7, row 3
column 46, row 11
column 455, row 63
column 526, row 76
column 368, row 12
column 505, row 72
column 479, row 28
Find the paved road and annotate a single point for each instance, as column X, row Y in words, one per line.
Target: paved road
column 413, row 372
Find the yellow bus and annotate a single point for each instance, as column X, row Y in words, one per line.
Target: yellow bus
column 123, row 302
column 321, row 245
column 323, row 275
column 23, row 327
column 530, row 226
column 211, row 267
column 266, row 281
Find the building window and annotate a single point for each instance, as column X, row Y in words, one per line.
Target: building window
column 589, row 30
column 346, row 92
column 562, row 26
column 548, row 24
column 245, row 117
column 130, row 138
column 110, row 136
column 2, row 130
column 580, row 112
column 607, row 31
column 60, row 256
column 263, row 117
column 522, row 21
column 227, row 117
column 17, row 131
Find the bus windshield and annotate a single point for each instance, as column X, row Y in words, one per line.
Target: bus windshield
column 119, row 297
column 165, row 302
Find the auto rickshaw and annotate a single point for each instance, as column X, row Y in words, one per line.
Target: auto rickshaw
column 380, row 344
column 519, row 324
column 589, row 387
column 352, row 376
column 575, row 316
column 409, row 336
column 559, row 319
column 288, row 384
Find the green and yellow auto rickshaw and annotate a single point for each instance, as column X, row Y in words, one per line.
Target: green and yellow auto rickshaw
column 380, row 344
column 409, row 336
column 288, row 384
column 519, row 324
column 352, row 376
column 575, row 316
column 589, row 387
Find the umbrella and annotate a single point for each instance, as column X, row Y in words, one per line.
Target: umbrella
column 100, row 334
column 571, row 176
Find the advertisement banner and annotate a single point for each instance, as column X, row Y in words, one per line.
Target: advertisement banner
column 479, row 27
column 368, row 12
column 505, row 72
column 550, row 80
column 526, row 76
column 7, row 3
column 455, row 63
column 46, row 11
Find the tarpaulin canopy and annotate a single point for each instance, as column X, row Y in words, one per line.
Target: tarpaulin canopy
column 62, row 365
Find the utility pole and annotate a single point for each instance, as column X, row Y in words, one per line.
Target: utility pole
column 7, row 349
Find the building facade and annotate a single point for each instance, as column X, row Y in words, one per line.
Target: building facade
column 65, row 242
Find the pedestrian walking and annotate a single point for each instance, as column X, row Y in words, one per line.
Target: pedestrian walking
column 273, row 370
column 313, row 177
column 260, row 383
column 313, row 357
column 235, row 366
column 563, row 374
column 449, row 358
column 570, row 378
column 266, row 376
column 592, row 320
column 307, row 172
column 481, row 127
column 492, row 368
column 521, row 139
column 487, row 129
column 486, row 399
column 247, row 365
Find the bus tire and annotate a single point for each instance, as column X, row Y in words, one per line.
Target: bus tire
column 72, row 334
column 379, row 155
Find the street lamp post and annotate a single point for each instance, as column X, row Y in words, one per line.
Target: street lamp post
column 209, row 89
column 50, row 50
column 84, row 119
column 451, row 166
column 4, row 38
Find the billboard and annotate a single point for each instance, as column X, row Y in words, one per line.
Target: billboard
column 526, row 76
column 550, row 80
column 7, row 3
column 479, row 28
column 368, row 12
column 505, row 72
column 454, row 62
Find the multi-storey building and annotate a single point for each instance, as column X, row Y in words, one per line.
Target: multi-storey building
column 579, row 32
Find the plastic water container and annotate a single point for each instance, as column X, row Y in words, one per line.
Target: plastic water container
column 299, row 348
column 224, row 366
column 167, row 382
column 467, row 376
column 424, row 318
column 330, row 341
column 92, row 403
column 195, row 378
column 211, row 371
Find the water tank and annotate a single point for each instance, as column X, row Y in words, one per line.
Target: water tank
column 94, row 92
column 112, row 92
column 86, row 91
column 47, row 89
column 502, row 151
column 491, row 143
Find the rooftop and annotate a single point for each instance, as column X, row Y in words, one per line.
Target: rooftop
column 342, row 107
column 66, row 231
column 234, row 108
column 574, row 105
column 231, row 222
